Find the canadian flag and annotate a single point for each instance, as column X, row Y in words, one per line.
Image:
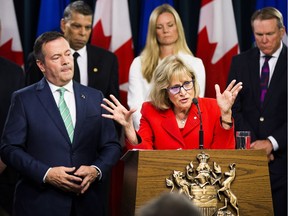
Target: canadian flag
column 217, row 42
column 10, row 43
column 112, row 31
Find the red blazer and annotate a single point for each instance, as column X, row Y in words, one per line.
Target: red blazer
column 159, row 129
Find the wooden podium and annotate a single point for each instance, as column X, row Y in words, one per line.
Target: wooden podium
column 146, row 170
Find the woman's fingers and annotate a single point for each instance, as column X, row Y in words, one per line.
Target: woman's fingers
column 237, row 87
column 115, row 100
column 234, row 89
column 109, row 103
column 107, row 108
column 231, row 84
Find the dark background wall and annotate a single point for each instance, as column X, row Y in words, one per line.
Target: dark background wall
column 28, row 11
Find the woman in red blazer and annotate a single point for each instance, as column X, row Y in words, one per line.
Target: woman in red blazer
column 170, row 120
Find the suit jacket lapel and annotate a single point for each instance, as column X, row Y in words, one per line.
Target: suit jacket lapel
column 169, row 124
column 193, row 120
column 80, row 100
column 254, row 73
column 93, row 69
column 46, row 98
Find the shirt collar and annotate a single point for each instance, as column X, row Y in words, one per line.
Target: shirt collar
column 68, row 86
column 80, row 51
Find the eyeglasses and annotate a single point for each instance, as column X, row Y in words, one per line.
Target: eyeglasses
column 186, row 85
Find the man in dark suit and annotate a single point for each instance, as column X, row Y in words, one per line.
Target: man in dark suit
column 60, row 174
column 98, row 67
column 11, row 79
column 267, row 120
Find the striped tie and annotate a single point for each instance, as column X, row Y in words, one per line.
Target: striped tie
column 65, row 113
column 264, row 79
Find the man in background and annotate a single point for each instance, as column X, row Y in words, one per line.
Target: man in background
column 11, row 79
column 98, row 68
column 261, row 106
column 94, row 67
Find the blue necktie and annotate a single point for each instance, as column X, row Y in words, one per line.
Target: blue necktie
column 65, row 113
column 264, row 79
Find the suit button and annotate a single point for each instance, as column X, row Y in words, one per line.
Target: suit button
column 261, row 119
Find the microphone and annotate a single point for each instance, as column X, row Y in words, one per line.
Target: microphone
column 201, row 132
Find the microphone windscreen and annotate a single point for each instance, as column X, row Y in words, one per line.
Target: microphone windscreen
column 195, row 101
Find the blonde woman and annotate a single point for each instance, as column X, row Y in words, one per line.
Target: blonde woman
column 165, row 37
column 170, row 120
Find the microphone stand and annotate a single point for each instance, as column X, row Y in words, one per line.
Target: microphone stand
column 201, row 132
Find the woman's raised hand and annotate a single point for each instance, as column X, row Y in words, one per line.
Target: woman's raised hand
column 226, row 99
column 117, row 111
column 123, row 116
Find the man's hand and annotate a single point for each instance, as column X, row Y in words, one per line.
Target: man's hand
column 266, row 145
column 63, row 178
column 88, row 174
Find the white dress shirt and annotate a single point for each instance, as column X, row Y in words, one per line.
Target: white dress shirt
column 272, row 63
column 82, row 61
column 68, row 97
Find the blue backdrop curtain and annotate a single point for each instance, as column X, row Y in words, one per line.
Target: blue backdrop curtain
column 50, row 15
column 28, row 12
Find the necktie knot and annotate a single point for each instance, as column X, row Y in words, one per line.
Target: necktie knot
column 61, row 91
column 267, row 58
column 76, row 55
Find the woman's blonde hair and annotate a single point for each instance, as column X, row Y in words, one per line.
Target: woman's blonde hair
column 151, row 51
column 170, row 67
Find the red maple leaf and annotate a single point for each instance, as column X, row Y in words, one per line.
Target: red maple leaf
column 215, row 73
column 125, row 56
column 98, row 38
column 204, row 2
column 14, row 56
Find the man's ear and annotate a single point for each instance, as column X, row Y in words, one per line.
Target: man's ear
column 40, row 65
column 62, row 25
column 282, row 30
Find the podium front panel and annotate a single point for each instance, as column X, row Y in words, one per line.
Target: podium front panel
column 145, row 173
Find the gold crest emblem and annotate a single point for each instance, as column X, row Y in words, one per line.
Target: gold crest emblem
column 205, row 186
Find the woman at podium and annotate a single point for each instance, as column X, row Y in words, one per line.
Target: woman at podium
column 176, row 117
